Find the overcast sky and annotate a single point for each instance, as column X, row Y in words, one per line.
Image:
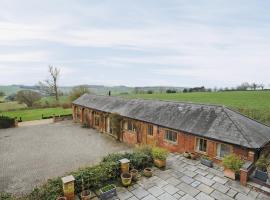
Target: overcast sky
column 136, row 42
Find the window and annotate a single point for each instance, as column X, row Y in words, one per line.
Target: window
column 201, row 145
column 223, row 150
column 171, row 136
column 150, row 130
column 96, row 120
column 130, row 126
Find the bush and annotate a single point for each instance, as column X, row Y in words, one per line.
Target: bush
column 6, row 122
column 159, row 153
column 233, row 163
column 66, row 105
column 6, row 196
column 262, row 163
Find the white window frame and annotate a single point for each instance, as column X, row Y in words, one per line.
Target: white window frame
column 218, row 148
column 168, row 140
column 198, row 145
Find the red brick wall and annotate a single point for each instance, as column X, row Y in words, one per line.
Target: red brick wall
column 129, row 137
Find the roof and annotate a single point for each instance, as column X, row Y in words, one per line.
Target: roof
column 210, row 121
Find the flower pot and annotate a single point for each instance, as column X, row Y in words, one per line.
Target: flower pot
column 261, row 175
column 192, row 156
column 160, row 163
column 206, row 162
column 229, row 173
column 148, row 172
column 126, row 179
column 186, row 155
column 61, row 198
column 85, row 195
column 107, row 192
column 134, row 174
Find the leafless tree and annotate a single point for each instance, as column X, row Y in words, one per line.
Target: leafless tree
column 28, row 97
column 50, row 85
column 261, row 86
column 254, row 86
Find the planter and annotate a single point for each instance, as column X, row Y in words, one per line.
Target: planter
column 126, row 179
column 148, row 172
column 261, row 175
column 160, row 163
column 186, row 155
column 107, row 192
column 134, row 174
column 86, row 195
column 229, row 173
column 206, row 162
column 192, row 156
column 124, row 165
column 61, row 198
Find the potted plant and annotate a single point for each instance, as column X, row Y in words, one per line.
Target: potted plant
column 186, row 155
column 148, row 172
column 126, row 179
column 107, row 192
column 205, row 160
column 232, row 165
column 85, row 194
column 134, row 174
column 192, row 156
column 261, row 168
column 160, row 155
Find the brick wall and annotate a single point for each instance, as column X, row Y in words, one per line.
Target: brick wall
column 185, row 142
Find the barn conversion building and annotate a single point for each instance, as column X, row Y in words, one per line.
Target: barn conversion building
column 202, row 129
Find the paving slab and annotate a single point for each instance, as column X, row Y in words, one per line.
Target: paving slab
column 220, row 180
column 205, row 188
column 222, row 188
column 203, row 196
column 140, row 192
column 156, row 191
column 170, row 189
column 188, row 189
column 204, row 180
column 166, row 196
column 220, row 196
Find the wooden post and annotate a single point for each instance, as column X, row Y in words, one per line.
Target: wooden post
column 68, row 187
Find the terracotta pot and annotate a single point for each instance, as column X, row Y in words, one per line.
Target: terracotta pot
column 160, row 163
column 126, row 179
column 86, row 195
column 61, row 198
column 192, row 156
column 134, row 174
column 229, row 173
column 148, row 172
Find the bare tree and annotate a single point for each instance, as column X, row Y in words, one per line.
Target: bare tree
column 254, row 86
column 261, row 86
column 28, row 97
column 50, row 85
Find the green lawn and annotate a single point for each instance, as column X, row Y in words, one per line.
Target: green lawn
column 50, row 100
column 35, row 114
column 255, row 104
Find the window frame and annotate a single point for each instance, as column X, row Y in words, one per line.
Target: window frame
column 130, row 124
column 168, row 131
column 150, row 130
column 197, row 145
column 218, row 148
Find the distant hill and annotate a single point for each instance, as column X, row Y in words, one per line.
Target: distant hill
column 97, row 89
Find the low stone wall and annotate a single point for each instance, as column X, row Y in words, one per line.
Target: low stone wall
column 62, row 118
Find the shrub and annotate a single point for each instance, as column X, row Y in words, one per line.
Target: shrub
column 159, row 153
column 66, row 105
column 262, row 163
column 233, row 162
column 6, row 122
column 6, row 196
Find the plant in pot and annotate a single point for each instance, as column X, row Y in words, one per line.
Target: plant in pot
column 134, row 174
column 261, row 168
column 186, row 154
column 148, row 172
column 192, row 156
column 85, row 194
column 160, row 155
column 126, row 179
column 205, row 160
column 232, row 165
column 107, row 192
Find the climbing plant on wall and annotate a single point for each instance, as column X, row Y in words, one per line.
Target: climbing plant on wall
column 116, row 119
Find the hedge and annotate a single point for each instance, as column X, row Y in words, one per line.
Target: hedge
column 6, row 122
column 94, row 177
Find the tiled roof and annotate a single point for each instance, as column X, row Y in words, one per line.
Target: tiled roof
column 211, row 121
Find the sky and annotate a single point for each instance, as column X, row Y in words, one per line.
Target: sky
column 219, row 43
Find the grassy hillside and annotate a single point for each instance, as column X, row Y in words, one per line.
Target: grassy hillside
column 36, row 114
column 255, row 104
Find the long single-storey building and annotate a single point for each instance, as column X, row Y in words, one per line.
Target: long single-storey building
column 202, row 129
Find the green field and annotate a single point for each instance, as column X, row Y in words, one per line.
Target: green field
column 35, row 114
column 11, row 105
column 255, row 104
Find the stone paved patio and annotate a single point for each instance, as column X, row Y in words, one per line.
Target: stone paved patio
column 188, row 180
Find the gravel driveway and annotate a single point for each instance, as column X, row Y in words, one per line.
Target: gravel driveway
column 30, row 155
